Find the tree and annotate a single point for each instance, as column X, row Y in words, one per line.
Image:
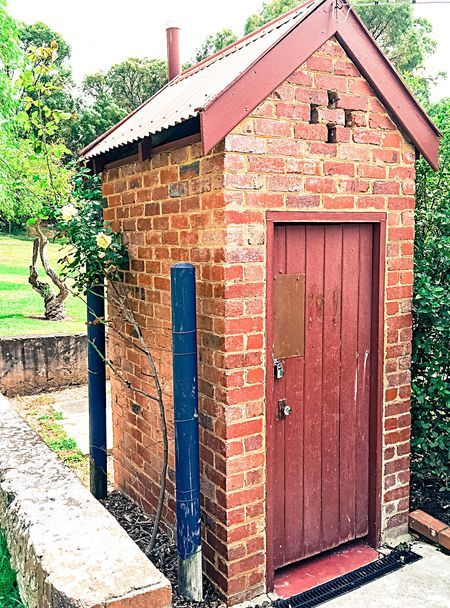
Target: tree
column 10, row 57
column 215, row 43
column 93, row 120
column 128, row 83
column 34, row 182
column 108, row 97
column 405, row 39
column 270, row 10
column 39, row 35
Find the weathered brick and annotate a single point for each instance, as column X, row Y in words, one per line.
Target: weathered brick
column 339, row 168
column 311, row 132
column 426, row 525
column 352, row 102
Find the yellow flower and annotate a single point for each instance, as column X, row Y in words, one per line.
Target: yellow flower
column 68, row 212
column 103, row 240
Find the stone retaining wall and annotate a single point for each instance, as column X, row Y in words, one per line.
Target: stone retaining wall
column 31, row 364
column 68, row 551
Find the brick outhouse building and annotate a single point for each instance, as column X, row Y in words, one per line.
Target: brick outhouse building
column 283, row 169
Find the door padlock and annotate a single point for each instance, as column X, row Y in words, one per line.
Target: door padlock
column 278, row 368
column 284, row 410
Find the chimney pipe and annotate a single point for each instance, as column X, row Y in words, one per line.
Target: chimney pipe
column 173, row 51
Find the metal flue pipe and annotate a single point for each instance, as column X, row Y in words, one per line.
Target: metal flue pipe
column 97, row 389
column 185, row 399
column 173, row 51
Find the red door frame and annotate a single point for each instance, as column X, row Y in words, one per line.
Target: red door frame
column 378, row 219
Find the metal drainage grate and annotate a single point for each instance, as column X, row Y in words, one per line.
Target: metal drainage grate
column 348, row 582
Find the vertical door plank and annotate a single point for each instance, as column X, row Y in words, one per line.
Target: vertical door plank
column 313, row 393
column 277, row 448
column 363, row 397
column 330, row 390
column 349, row 380
column 293, row 425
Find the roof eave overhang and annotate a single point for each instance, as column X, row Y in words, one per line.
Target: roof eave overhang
column 242, row 96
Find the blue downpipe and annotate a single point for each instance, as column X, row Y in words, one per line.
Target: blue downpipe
column 185, row 388
column 97, row 390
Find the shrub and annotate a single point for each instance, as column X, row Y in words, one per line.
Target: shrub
column 9, row 594
column 431, row 341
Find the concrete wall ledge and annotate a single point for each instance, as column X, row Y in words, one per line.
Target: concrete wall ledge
column 32, row 364
column 68, row 551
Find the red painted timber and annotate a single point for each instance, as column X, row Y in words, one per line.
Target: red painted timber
column 280, row 485
column 364, row 375
column 293, row 426
column 258, row 81
column 358, row 491
column 323, row 568
column 347, row 419
column 390, row 88
column 331, row 385
column 312, row 436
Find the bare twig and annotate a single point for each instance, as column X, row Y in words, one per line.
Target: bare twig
column 129, row 316
column 121, row 303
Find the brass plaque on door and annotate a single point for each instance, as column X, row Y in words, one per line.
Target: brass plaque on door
column 288, row 315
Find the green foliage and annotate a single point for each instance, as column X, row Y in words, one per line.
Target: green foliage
column 128, row 83
column 270, row 10
column 9, row 593
column 95, row 249
column 108, row 97
column 25, row 191
column 405, row 39
column 215, row 43
column 431, row 341
column 10, row 57
column 39, row 82
column 92, row 120
column 66, row 443
column 40, row 36
column 33, row 177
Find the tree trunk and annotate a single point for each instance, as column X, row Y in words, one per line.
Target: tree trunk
column 55, row 309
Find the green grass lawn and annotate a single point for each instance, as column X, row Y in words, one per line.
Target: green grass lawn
column 9, row 594
column 19, row 302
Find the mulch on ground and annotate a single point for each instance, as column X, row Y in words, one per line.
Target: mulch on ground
column 139, row 526
column 428, row 495
column 425, row 494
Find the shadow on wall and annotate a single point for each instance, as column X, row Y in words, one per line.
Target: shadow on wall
column 32, row 364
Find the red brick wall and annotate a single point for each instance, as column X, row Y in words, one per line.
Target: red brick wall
column 168, row 211
column 279, row 158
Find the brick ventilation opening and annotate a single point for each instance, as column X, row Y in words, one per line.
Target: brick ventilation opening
column 314, row 114
column 348, row 118
column 333, row 99
column 331, row 138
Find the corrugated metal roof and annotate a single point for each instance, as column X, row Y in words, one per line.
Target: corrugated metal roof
column 186, row 96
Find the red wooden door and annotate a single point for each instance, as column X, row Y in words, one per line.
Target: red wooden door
column 319, row 454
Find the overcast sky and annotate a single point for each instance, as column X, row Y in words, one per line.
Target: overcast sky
column 103, row 32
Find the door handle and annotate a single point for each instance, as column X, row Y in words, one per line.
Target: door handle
column 284, row 410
